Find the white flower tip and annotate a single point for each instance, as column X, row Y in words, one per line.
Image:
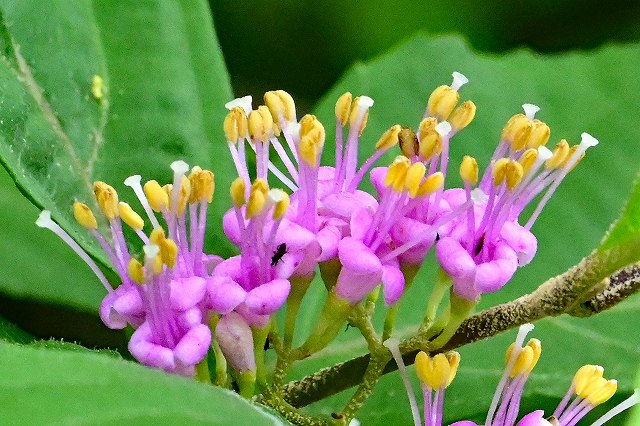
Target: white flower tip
column 544, row 153
column 530, row 110
column 392, row 344
column 133, row 181
column 179, row 167
column 478, row 196
column 44, row 219
column 293, row 129
column 243, row 102
column 276, row 195
column 443, row 128
column 588, row 140
column 522, row 333
column 459, row 80
column 354, row 422
column 150, row 251
column 365, row 102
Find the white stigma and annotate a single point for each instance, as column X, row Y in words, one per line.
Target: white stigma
column 133, row 181
column 478, row 196
column 544, row 153
column 365, row 102
column 179, row 167
column 150, row 251
column 293, row 129
column 443, row 128
column 276, row 195
column 522, row 333
column 244, row 103
column 588, row 141
column 530, row 110
column 459, row 80
column 44, row 219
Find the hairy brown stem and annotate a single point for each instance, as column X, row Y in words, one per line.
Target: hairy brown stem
column 586, row 289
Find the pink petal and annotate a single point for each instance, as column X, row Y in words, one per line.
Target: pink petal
column 231, row 227
column 357, row 257
column 236, row 341
column 296, row 237
column 190, row 318
column 392, row 284
column 143, row 349
column 122, row 306
column 231, row 267
column 328, row 238
column 492, row 276
column 224, row 294
column 361, row 220
column 377, row 176
column 193, row 346
column 465, row 287
column 464, row 423
column 404, row 231
column 535, row 418
column 269, row 297
column 523, row 242
column 454, row 259
column 187, row 292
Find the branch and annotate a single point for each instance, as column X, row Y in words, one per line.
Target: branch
column 586, row 289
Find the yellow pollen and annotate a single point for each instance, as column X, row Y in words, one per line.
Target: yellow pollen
column 584, row 375
column 107, row 199
column 281, row 206
column 389, row 138
column 257, row 198
column 235, row 124
column 603, row 393
column 129, row 216
column 469, row 170
column 289, row 105
column 157, row 196
column 513, row 174
column 462, row 116
column 202, row 185
column 84, row 216
column 560, row 155
column 261, row 124
column 499, row 171
column 312, row 137
column 442, row 101
column 136, row 271
column 157, row 236
column 536, row 346
column 168, row 252
column 517, row 131
column 539, row 134
column 97, row 87
column 408, row 142
column 183, row 197
column 343, row 108
column 454, row 361
column 237, row 190
column 436, row 372
column 414, row 176
column 571, row 152
column 430, row 143
column 528, row 159
column 523, row 362
column 355, row 111
column 274, row 103
column 431, row 184
column 397, row 172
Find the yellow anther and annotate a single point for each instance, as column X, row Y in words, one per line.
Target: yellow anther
column 431, row 184
column 536, row 346
column 355, row 112
column 414, row 178
column 168, row 252
column 523, row 362
column 343, row 108
column 257, row 198
column 430, row 141
column 183, row 196
column 237, row 190
column 84, row 216
column 97, row 87
column 408, row 142
column 261, row 124
column 604, row 393
column 136, row 271
column 397, row 172
column 282, row 205
column 157, row 196
column 157, row 236
column 442, row 101
column 584, row 375
column 202, row 185
column 539, row 134
column 517, row 131
column 289, row 105
column 389, row 138
column 469, row 170
column 592, row 386
column 571, row 152
column 560, row 155
column 436, row 372
column 129, row 216
column 528, row 159
column 312, row 137
column 499, row 168
column 107, row 199
column 462, row 116
column 280, row 104
column 235, row 124
column 156, row 265
column 513, row 174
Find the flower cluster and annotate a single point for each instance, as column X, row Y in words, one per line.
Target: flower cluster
column 182, row 301
column 588, row 389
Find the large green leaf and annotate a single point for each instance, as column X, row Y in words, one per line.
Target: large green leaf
column 582, row 91
column 166, row 86
column 10, row 333
column 92, row 388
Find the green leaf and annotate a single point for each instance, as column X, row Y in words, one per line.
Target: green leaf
column 11, row 333
column 581, row 91
column 627, row 228
column 61, row 345
column 96, row 389
column 166, row 86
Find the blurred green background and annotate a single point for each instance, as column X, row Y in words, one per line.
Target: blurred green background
column 312, row 45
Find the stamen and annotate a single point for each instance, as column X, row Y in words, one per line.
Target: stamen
column 393, row 345
column 459, row 80
column 134, row 183
column 530, row 110
column 136, row 271
column 84, row 216
column 44, row 221
column 107, row 198
column 281, row 201
column 624, row 405
column 462, row 116
column 129, row 216
column 343, row 108
column 244, row 103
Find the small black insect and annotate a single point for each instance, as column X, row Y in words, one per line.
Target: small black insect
column 281, row 250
